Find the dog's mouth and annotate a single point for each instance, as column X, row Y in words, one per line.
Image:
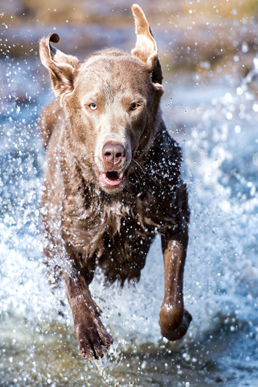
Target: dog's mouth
column 111, row 179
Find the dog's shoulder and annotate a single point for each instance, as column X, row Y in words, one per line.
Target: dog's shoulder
column 166, row 148
column 163, row 161
column 50, row 118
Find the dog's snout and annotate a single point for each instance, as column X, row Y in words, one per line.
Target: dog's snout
column 113, row 153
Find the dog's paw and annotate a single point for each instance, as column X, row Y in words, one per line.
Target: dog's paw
column 92, row 338
column 172, row 325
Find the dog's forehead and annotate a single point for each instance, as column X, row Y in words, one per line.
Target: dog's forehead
column 114, row 68
column 113, row 56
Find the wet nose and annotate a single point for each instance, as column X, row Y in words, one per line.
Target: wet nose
column 113, row 153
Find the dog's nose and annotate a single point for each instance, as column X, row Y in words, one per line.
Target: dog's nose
column 113, row 153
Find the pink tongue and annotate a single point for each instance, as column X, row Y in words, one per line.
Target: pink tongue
column 104, row 179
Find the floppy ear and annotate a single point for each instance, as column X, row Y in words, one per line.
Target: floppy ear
column 146, row 47
column 62, row 68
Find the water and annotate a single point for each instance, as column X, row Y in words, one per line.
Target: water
column 217, row 130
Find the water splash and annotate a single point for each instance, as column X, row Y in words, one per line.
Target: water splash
column 37, row 339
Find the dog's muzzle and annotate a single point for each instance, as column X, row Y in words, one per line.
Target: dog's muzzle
column 113, row 160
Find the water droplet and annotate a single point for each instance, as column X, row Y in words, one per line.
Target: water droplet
column 244, row 47
column 255, row 159
column 255, row 107
column 239, row 91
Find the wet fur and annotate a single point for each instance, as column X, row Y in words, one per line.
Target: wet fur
column 85, row 226
column 118, row 230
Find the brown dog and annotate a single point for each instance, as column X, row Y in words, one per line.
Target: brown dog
column 112, row 180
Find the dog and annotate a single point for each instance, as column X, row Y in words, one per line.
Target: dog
column 112, row 181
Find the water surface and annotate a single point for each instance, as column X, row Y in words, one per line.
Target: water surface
column 216, row 124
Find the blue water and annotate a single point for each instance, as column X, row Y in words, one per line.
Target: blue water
column 216, row 125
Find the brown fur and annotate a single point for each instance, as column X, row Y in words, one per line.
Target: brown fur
column 112, row 181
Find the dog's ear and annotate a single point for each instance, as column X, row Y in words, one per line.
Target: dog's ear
column 146, row 47
column 62, row 68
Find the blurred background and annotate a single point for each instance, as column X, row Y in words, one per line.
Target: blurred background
column 194, row 35
column 208, row 51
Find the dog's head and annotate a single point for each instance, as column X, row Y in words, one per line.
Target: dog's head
column 111, row 102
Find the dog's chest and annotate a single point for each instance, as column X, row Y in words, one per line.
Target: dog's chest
column 123, row 252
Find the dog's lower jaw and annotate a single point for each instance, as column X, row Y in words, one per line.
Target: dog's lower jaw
column 112, row 190
column 111, row 181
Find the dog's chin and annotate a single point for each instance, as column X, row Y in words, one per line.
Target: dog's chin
column 112, row 182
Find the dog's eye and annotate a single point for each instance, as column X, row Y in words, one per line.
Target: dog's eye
column 134, row 106
column 93, row 106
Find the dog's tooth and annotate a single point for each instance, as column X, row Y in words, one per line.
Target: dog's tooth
column 121, row 175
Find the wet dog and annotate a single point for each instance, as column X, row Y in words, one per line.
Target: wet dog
column 112, row 180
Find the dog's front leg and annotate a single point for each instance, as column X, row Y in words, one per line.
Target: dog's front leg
column 91, row 335
column 174, row 319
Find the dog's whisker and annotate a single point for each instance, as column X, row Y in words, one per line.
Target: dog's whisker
column 139, row 165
